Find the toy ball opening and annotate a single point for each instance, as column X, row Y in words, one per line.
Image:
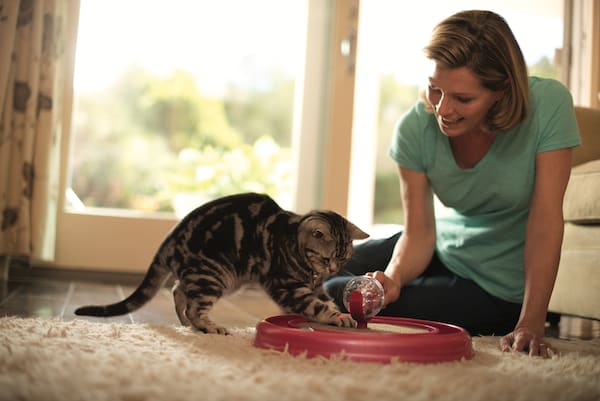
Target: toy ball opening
column 372, row 294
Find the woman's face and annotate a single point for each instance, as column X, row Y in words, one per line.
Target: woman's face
column 460, row 103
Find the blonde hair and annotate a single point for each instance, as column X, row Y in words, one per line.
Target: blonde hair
column 483, row 42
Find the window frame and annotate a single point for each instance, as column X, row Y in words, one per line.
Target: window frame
column 581, row 56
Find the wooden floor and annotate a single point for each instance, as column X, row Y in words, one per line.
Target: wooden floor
column 46, row 293
column 39, row 294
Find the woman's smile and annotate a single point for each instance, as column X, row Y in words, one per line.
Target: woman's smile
column 449, row 123
column 459, row 101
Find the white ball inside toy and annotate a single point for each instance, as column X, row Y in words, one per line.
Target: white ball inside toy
column 372, row 294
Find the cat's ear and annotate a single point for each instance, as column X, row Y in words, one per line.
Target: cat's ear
column 355, row 232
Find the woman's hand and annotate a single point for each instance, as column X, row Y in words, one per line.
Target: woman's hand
column 525, row 339
column 390, row 287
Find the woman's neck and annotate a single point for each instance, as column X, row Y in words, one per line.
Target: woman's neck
column 469, row 149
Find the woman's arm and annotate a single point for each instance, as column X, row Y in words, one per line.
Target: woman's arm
column 415, row 247
column 543, row 241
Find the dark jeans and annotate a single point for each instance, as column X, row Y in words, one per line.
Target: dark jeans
column 438, row 294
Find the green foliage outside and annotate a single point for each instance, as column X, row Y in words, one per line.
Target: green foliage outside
column 156, row 143
column 394, row 99
column 210, row 172
column 146, row 142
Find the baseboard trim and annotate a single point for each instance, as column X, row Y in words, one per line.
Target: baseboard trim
column 54, row 273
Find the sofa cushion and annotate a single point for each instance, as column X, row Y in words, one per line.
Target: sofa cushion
column 582, row 197
column 577, row 288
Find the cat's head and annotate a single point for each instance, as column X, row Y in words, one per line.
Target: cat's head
column 326, row 238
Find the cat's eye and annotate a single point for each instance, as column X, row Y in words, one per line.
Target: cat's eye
column 317, row 234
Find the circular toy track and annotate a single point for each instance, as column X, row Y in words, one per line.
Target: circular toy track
column 386, row 339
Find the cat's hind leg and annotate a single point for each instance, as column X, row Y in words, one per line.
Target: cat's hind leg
column 195, row 303
column 180, row 303
column 197, row 313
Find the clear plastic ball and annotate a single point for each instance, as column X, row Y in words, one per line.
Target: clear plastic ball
column 372, row 294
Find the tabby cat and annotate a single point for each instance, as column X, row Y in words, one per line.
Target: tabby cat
column 246, row 238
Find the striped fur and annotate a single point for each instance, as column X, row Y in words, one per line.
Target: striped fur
column 240, row 239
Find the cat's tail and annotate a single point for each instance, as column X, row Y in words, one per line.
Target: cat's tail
column 155, row 278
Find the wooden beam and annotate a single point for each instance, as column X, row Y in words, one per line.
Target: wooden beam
column 595, row 57
column 336, row 167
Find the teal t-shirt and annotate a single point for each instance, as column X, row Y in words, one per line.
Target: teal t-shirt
column 480, row 230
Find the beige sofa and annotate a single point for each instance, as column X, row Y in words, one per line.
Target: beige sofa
column 577, row 288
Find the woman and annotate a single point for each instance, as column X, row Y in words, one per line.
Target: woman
column 494, row 146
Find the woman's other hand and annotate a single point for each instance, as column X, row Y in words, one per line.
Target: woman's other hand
column 526, row 340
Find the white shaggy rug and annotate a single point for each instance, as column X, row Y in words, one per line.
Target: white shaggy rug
column 49, row 360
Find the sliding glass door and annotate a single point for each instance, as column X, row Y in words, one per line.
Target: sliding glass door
column 180, row 102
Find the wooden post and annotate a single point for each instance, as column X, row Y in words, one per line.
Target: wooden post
column 336, row 167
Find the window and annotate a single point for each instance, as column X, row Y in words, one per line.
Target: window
column 179, row 102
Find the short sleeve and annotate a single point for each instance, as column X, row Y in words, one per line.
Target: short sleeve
column 408, row 141
column 555, row 117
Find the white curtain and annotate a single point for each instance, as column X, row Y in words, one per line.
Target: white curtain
column 32, row 72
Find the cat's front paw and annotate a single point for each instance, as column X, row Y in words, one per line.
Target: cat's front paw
column 339, row 320
column 344, row 321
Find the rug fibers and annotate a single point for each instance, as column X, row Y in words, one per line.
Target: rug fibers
column 49, row 360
